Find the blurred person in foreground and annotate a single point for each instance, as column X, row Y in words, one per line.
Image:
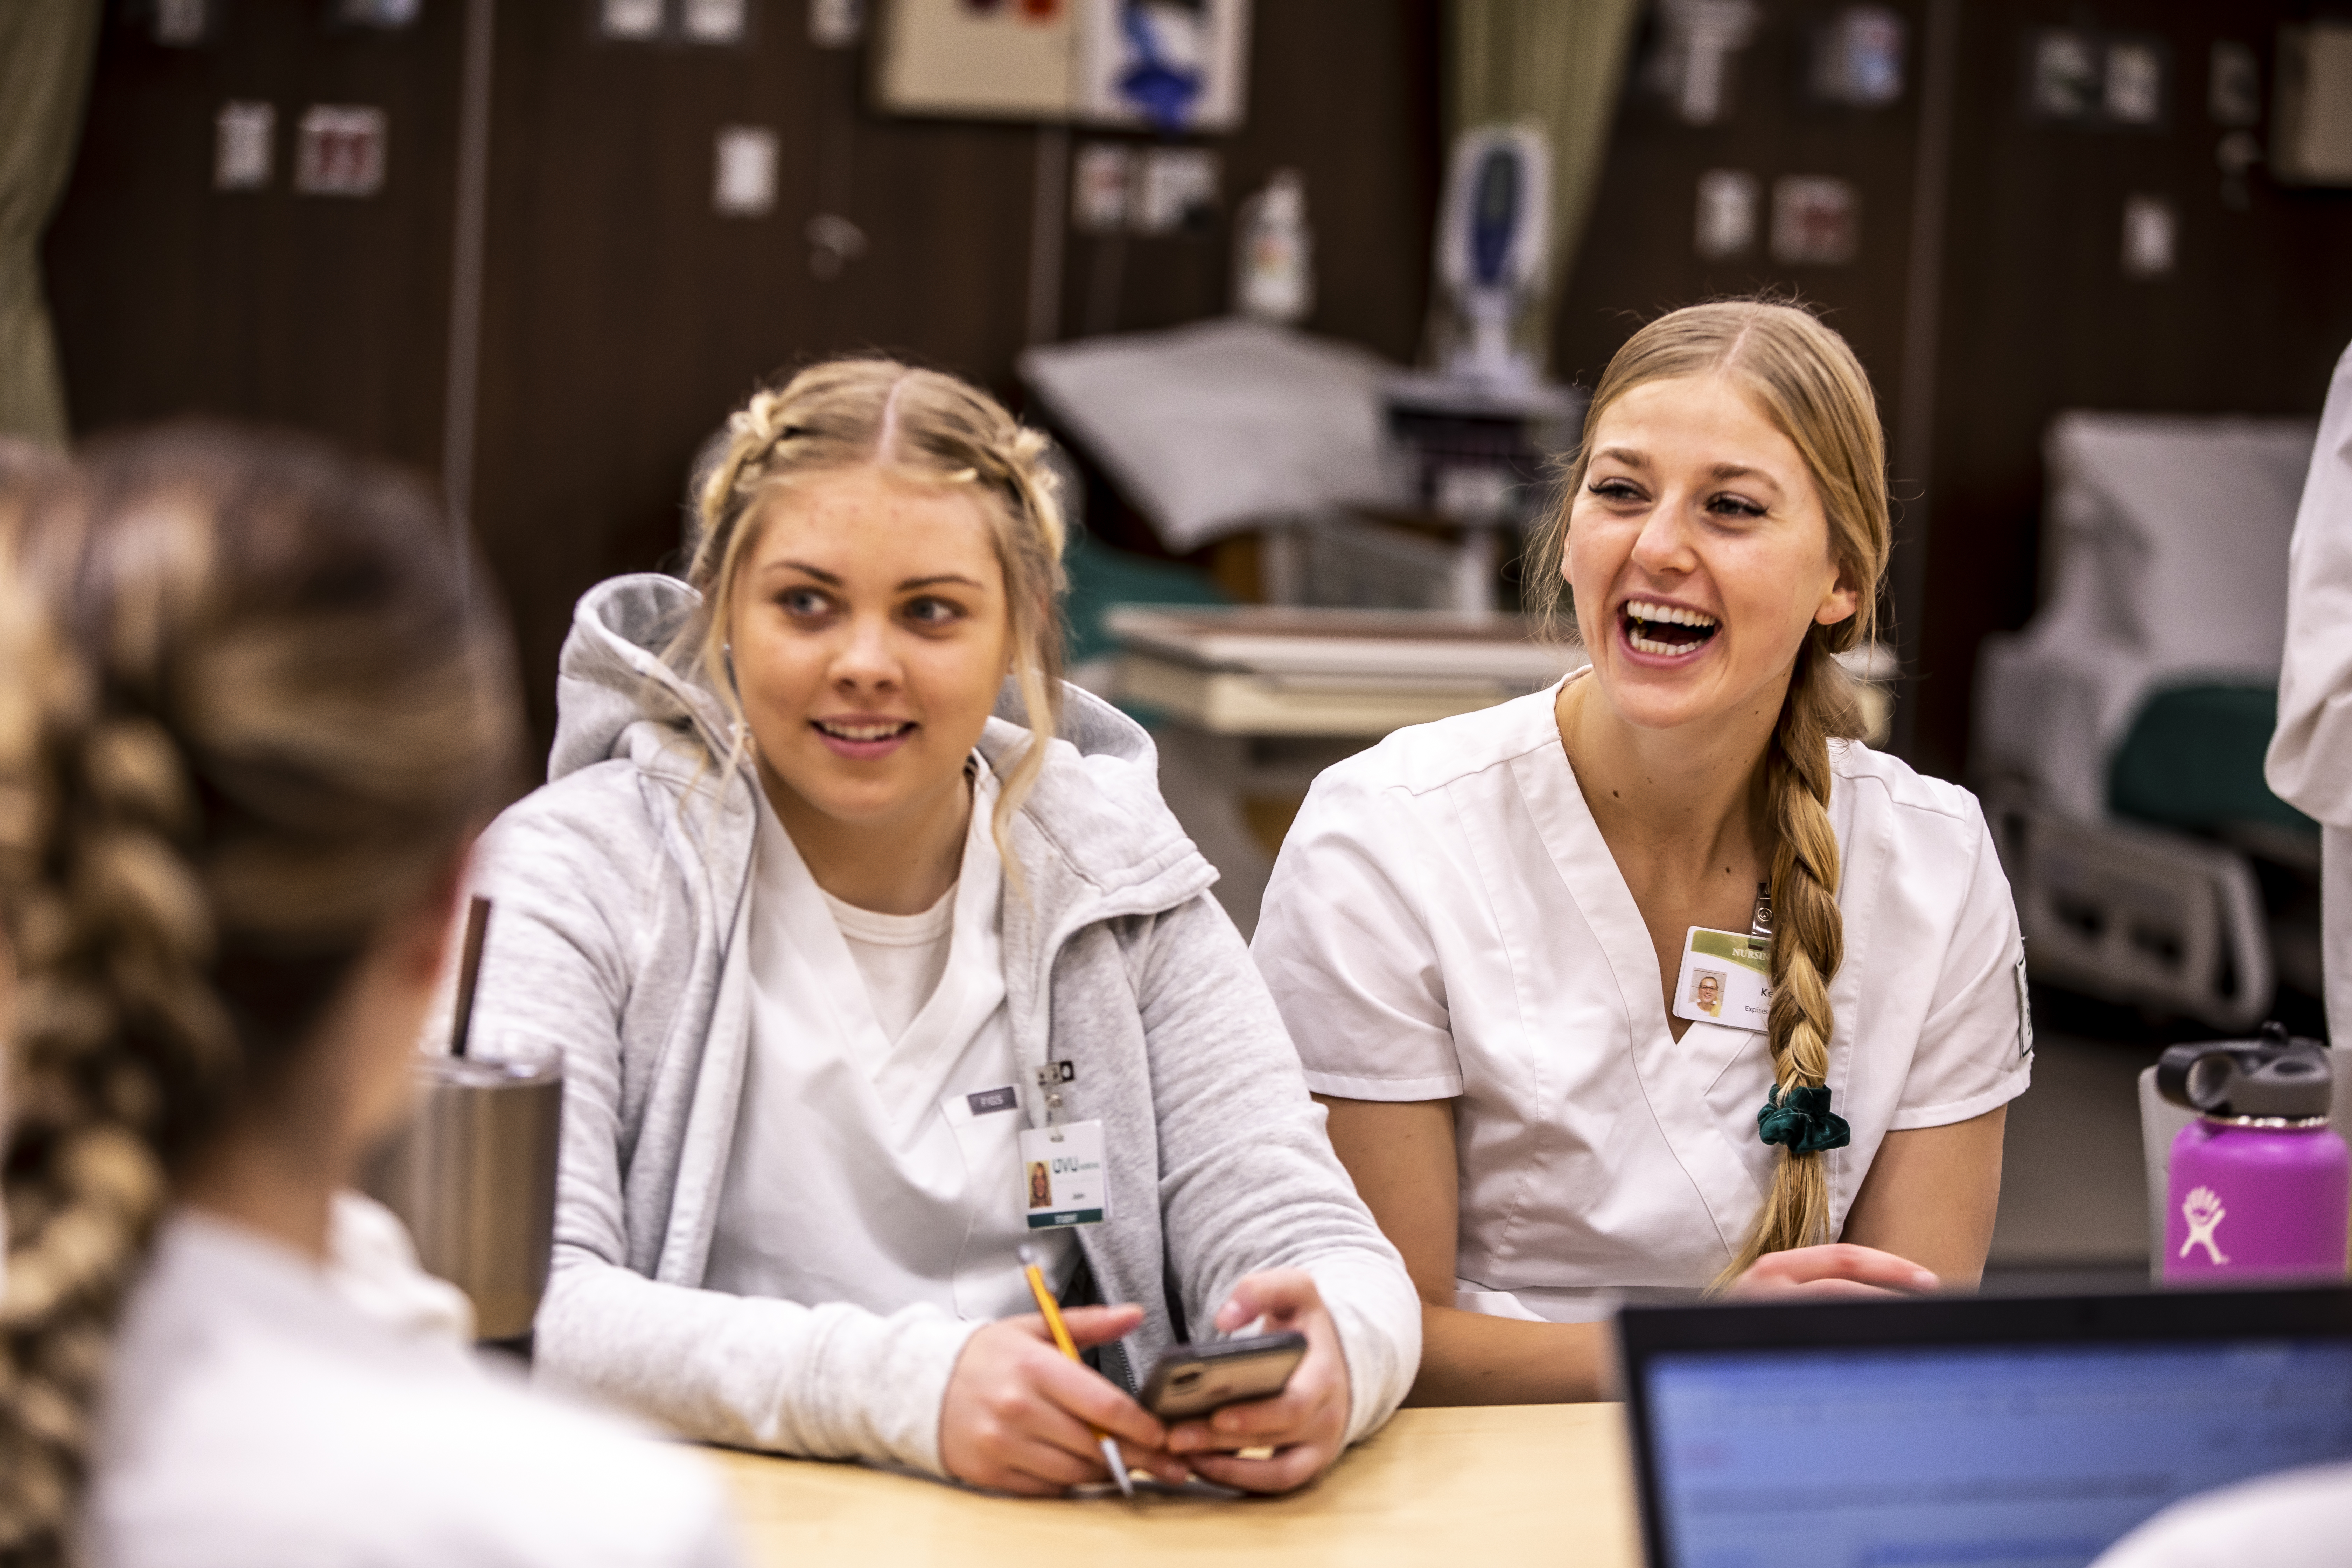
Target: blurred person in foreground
column 249, row 722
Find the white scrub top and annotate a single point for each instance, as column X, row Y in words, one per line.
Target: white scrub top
column 870, row 1167
column 2309, row 765
column 263, row 1411
column 1445, row 921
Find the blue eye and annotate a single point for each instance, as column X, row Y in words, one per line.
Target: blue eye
column 804, row 601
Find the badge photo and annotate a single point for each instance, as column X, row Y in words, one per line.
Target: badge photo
column 1063, row 1180
column 1726, row 978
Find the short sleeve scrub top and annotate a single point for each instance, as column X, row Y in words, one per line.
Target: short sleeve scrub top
column 1445, row 921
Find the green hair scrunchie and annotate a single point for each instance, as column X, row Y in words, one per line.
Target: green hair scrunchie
column 1803, row 1121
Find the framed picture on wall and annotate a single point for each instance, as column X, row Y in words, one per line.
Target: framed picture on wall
column 339, row 150
column 1167, row 65
column 1816, row 220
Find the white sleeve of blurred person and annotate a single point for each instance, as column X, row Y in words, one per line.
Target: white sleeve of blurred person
column 228, row 1439
column 2300, row 1518
column 2310, row 761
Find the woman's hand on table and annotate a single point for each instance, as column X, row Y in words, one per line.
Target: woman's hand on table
column 1839, row 1269
column 1020, row 1415
column 1306, row 1425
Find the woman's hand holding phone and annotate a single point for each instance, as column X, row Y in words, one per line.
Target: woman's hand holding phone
column 1306, row 1425
column 1019, row 1413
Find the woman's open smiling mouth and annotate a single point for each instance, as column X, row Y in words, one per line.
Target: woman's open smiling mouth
column 862, row 739
column 1665, row 630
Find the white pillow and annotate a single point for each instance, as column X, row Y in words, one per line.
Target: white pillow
column 2186, row 523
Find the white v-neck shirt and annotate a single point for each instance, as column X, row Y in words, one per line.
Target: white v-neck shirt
column 1445, row 921
column 876, row 1158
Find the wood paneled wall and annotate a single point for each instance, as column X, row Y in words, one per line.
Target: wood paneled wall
column 622, row 318
column 332, row 315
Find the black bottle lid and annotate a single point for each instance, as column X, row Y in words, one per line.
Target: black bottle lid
column 2275, row 1076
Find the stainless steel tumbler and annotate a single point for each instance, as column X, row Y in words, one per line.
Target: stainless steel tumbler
column 473, row 1176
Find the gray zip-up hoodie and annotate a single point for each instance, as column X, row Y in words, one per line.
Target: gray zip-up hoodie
column 624, row 894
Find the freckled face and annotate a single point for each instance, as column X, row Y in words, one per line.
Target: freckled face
column 1697, row 554
column 870, row 633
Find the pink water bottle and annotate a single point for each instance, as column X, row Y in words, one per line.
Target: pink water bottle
column 2260, row 1182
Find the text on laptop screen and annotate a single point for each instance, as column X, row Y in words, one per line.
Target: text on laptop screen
column 1984, row 1456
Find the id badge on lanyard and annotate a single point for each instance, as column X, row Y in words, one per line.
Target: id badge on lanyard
column 1063, row 1175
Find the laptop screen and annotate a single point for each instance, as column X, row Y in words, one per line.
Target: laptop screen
column 1989, row 1455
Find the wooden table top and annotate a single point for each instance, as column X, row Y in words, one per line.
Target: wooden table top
column 1519, row 1484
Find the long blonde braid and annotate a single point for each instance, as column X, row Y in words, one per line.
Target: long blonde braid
column 921, row 425
column 1807, row 382
column 247, row 713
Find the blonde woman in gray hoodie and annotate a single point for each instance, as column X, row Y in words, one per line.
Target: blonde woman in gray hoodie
column 847, row 916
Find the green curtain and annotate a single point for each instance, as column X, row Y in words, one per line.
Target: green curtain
column 1559, row 62
column 44, row 55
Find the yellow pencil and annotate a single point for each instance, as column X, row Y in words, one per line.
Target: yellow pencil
column 1061, row 1332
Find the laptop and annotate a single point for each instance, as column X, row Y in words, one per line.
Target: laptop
column 1978, row 1431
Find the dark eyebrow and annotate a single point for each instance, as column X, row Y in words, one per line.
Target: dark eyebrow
column 911, row 583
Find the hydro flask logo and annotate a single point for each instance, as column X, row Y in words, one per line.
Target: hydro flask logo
column 2203, row 1211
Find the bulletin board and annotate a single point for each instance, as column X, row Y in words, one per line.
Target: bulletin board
column 1169, row 65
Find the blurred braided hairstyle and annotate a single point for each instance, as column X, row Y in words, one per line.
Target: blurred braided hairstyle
column 917, row 424
column 1805, row 378
column 248, row 715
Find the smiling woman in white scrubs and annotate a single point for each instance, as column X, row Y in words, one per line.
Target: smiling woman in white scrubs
column 1478, row 930
column 845, row 935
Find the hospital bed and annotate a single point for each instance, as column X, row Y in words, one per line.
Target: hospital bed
column 2119, row 736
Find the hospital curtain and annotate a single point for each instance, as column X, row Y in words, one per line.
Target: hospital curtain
column 1561, row 62
column 44, row 55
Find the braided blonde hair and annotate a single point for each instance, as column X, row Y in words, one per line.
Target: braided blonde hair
column 1805, row 378
column 917, row 424
column 248, row 715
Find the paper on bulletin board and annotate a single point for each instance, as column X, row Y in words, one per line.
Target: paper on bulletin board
column 1170, row 65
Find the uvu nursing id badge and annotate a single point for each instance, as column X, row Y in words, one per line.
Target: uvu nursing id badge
column 1062, row 1172
column 1727, row 979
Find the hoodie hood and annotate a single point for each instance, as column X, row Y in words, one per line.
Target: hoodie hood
column 1098, row 801
column 612, row 677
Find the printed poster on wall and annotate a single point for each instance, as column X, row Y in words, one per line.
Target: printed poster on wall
column 1165, row 65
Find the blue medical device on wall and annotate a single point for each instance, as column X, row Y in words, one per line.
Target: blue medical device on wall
column 1494, row 244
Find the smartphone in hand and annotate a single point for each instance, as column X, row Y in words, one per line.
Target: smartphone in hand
column 1195, row 1380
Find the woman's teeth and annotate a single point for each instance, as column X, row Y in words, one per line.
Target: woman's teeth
column 863, row 731
column 1667, row 629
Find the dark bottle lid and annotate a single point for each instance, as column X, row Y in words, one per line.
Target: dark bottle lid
column 2273, row 1075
